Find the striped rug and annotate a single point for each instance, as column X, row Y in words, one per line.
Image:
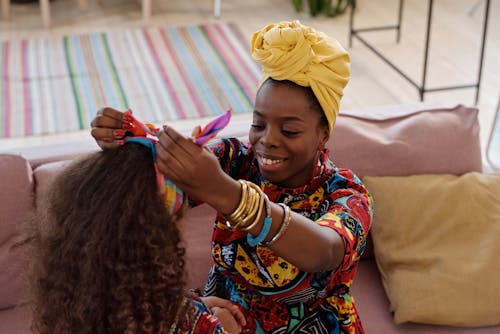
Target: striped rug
column 56, row 84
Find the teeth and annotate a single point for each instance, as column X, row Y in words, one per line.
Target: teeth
column 270, row 162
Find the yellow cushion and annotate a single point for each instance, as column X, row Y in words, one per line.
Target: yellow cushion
column 437, row 246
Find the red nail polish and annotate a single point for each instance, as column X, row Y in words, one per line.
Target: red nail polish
column 120, row 142
column 118, row 133
column 128, row 126
column 127, row 116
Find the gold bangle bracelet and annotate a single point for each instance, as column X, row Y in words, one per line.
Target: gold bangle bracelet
column 240, row 210
column 251, row 205
column 287, row 218
column 252, row 221
column 242, row 204
column 250, row 208
column 256, row 207
column 239, row 220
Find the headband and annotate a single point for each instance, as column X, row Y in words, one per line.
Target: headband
column 147, row 135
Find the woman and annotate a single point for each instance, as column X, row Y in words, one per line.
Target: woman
column 290, row 270
column 108, row 257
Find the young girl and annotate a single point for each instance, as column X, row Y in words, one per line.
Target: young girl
column 291, row 226
column 108, row 257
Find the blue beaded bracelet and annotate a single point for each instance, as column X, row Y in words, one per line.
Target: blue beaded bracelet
column 254, row 241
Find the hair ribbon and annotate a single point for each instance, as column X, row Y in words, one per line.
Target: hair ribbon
column 147, row 135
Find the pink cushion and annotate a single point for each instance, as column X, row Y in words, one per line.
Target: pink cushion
column 399, row 141
column 44, row 174
column 16, row 206
column 16, row 320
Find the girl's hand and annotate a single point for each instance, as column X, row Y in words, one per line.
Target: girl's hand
column 227, row 311
column 107, row 128
column 196, row 171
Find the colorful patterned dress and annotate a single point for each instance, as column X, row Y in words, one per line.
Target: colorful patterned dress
column 276, row 296
column 193, row 317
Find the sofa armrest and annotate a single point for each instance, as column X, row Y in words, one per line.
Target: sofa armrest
column 16, row 208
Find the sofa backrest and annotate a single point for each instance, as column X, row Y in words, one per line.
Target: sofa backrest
column 407, row 140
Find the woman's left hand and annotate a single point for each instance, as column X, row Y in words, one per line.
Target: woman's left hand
column 216, row 305
column 196, row 171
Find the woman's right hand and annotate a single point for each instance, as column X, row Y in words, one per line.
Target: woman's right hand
column 107, row 128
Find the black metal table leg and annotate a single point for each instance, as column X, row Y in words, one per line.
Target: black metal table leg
column 355, row 33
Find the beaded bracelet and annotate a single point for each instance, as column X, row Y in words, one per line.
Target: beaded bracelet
column 254, row 241
column 287, row 218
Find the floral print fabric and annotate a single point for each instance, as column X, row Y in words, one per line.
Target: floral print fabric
column 276, row 296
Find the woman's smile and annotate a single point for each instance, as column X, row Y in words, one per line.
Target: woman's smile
column 269, row 163
column 287, row 132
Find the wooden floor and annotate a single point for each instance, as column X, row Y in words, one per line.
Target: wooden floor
column 453, row 59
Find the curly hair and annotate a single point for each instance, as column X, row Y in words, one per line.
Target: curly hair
column 108, row 258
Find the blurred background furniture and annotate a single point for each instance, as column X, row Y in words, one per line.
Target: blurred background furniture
column 422, row 86
column 147, row 8
column 45, row 9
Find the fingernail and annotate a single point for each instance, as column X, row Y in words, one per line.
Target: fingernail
column 118, row 133
column 120, row 142
column 128, row 126
column 127, row 116
column 165, row 127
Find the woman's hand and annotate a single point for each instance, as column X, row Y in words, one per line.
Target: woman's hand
column 230, row 314
column 196, row 171
column 107, row 128
column 227, row 320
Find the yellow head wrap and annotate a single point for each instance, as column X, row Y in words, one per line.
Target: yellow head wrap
column 309, row 58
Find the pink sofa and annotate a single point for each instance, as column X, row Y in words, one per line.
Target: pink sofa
column 385, row 141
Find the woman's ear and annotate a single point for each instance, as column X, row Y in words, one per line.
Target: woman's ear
column 324, row 135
